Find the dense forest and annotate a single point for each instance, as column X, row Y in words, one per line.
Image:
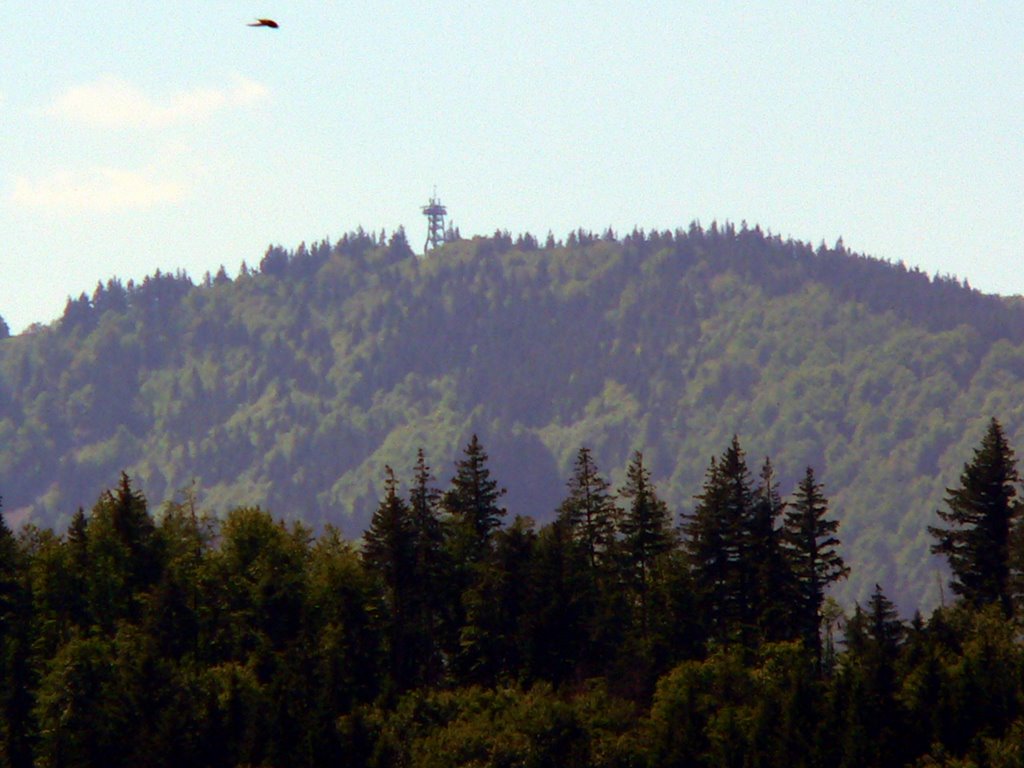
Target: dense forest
column 294, row 382
column 619, row 634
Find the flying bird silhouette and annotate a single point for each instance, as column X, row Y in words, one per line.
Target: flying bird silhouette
column 265, row 23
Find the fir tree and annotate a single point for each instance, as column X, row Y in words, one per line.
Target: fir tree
column 472, row 505
column 979, row 518
column 812, row 551
column 388, row 553
column 492, row 640
column 124, row 554
column 771, row 578
column 874, row 729
column 646, row 532
column 430, row 573
column 717, row 544
column 589, row 511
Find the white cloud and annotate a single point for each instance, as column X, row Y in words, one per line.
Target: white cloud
column 115, row 103
column 99, row 190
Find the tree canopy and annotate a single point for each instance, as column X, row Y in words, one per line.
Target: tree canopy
column 301, row 377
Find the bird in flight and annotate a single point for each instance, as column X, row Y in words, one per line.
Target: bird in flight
column 265, row 23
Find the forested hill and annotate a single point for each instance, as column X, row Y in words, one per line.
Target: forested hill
column 293, row 384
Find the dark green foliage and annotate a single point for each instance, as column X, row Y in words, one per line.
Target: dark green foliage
column 432, row 581
column 876, row 732
column 980, row 516
column 493, row 638
column 292, row 385
column 773, row 579
column 811, row 548
column 646, row 529
column 589, row 511
column 563, row 633
column 472, row 506
column 251, row 642
column 389, row 551
column 718, row 540
column 505, row 727
column 124, row 556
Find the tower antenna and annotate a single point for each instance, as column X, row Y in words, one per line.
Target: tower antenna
column 435, row 213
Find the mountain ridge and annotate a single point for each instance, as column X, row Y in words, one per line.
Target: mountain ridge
column 293, row 384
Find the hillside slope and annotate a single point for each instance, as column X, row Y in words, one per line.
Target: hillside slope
column 292, row 386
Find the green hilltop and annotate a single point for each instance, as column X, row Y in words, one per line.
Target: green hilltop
column 293, row 384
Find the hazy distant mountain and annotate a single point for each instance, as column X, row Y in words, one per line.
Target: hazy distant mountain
column 292, row 385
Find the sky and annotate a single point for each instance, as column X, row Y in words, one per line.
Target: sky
column 137, row 136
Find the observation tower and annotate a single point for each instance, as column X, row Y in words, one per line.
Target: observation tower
column 435, row 213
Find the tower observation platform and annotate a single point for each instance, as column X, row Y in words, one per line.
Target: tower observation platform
column 435, row 213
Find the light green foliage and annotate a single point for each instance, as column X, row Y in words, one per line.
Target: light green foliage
column 506, row 727
column 724, row 711
column 290, row 387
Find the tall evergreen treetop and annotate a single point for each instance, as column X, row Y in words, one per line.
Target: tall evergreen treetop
column 387, row 543
column 124, row 552
column 772, row 583
column 812, row 550
column 431, row 586
column 979, row 517
column 427, row 539
column 590, row 510
column 472, row 503
column 718, row 540
column 646, row 523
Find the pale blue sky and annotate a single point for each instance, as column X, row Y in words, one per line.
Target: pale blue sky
column 138, row 135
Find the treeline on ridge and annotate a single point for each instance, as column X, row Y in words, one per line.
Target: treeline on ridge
column 292, row 384
column 614, row 635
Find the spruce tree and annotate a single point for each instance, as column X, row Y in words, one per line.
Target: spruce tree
column 980, row 515
column 646, row 531
column 472, row 505
column 124, row 553
column 771, row 578
column 593, row 599
column 812, row 551
column 388, row 553
column 560, row 609
column 589, row 510
column 493, row 641
column 717, row 545
column 429, row 591
column 875, row 734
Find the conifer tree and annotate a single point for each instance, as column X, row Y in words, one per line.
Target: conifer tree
column 472, row 516
column 812, row 551
column 771, row 577
column 472, row 505
column 980, row 515
column 388, row 553
column 124, row 554
column 492, row 640
column 875, row 735
column 595, row 605
column 646, row 532
column 430, row 573
column 717, row 544
column 589, row 510
column 560, row 607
